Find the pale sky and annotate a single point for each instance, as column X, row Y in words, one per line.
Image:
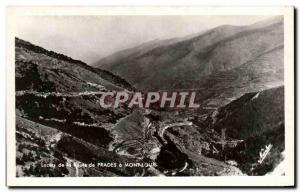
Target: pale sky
column 89, row 38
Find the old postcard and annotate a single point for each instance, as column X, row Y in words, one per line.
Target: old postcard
column 150, row 96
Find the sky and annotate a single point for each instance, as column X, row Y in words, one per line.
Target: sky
column 90, row 38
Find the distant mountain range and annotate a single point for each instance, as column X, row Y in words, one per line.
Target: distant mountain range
column 225, row 62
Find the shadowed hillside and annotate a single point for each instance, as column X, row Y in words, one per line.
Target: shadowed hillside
column 257, row 119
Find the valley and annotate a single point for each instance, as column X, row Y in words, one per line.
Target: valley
column 236, row 73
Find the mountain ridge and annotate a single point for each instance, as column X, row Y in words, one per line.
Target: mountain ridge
column 103, row 73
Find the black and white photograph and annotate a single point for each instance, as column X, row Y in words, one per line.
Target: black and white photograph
column 145, row 96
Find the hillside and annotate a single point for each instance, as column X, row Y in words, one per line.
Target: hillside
column 257, row 118
column 50, row 71
column 56, row 106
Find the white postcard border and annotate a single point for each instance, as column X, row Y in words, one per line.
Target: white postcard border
column 15, row 12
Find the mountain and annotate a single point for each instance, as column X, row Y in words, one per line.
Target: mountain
column 226, row 62
column 141, row 49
